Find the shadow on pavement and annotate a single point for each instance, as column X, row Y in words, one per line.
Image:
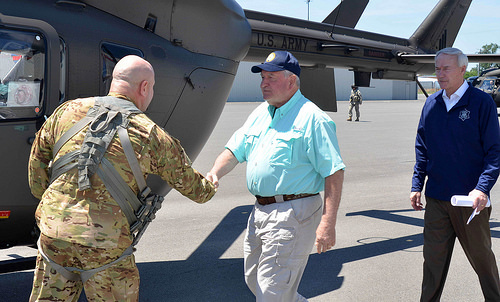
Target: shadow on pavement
column 204, row 276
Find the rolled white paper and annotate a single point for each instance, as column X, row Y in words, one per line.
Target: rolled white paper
column 464, row 201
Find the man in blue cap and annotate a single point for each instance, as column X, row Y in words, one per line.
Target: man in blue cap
column 292, row 154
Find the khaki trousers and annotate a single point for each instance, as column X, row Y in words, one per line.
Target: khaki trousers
column 278, row 241
column 354, row 105
column 444, row 223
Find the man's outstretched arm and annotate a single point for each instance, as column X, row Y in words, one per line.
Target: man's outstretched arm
column 224, row 163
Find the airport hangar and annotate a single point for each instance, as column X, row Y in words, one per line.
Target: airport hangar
column 246, row 87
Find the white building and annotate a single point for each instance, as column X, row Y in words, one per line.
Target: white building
column 246, row 87
column 430, row 83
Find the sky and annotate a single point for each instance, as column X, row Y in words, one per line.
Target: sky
column 398, row 18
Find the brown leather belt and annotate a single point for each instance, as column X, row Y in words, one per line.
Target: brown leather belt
column 281, row 198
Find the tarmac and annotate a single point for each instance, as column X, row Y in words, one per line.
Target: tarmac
column 193, row 252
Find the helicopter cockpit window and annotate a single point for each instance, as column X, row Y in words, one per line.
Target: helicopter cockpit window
column 22, row 68
column 488, row 85
column 111, row 53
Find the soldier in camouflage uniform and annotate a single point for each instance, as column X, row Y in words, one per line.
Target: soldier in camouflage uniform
column 354, row 101
column 87, row 229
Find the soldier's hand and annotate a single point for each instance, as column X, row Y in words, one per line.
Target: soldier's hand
column 213, row 179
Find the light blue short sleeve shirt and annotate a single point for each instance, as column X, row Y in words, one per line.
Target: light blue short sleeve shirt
column 290, row 153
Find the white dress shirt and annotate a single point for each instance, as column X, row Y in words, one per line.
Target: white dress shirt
column 452, row 100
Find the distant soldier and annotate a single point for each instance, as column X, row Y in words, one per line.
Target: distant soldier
column 354, row 101
column 87, row 237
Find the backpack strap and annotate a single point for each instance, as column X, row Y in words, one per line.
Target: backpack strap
column 94, row 145
column 70, row 133
column 105, row 119
column 139, row 209
column 120, row 191
column 131, row 158
column 76, row 274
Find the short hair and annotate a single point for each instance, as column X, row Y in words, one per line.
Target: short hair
column 461, row 57
column 289, row 73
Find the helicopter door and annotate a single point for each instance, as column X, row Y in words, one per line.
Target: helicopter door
column 29, row 91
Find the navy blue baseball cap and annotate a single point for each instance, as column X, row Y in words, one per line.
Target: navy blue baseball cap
column 279, row 61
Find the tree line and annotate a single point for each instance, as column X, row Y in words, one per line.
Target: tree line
column 485, row 49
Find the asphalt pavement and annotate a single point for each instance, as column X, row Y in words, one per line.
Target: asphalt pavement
column 193, row 252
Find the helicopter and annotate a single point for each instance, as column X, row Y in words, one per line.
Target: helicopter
column 489, row 82
column 52, row 51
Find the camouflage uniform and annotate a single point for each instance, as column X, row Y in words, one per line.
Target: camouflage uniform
column 354, row 101
column 117, row 283
column 75, row 220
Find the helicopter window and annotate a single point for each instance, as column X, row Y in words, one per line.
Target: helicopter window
column 111, row 53
column 62, row 83
column 488, row 84
column 22, row 69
